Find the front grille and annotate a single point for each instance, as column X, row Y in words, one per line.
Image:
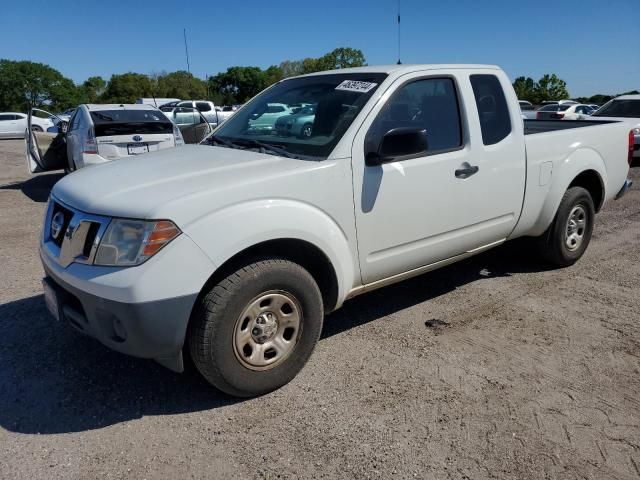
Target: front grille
column 75, row 240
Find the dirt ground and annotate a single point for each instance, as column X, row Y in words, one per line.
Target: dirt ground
column 492, row 368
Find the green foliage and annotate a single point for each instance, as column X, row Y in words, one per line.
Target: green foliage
column 181, row 85
column 92, row 89
column 125, row 88
column 24, row 84
column 239, row 84
column 600, row 99
column 549, row 87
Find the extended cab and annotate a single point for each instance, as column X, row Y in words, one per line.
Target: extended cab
column 233, row 250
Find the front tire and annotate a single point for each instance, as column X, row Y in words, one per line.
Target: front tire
column 567, row 238
column 255, row 329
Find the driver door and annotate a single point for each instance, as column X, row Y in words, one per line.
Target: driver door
column 193, row 126
column 45, row 151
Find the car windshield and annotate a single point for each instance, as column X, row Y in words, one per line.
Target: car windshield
column 620, row 108
column 330, row 103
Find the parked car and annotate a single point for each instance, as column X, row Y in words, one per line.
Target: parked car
column 64, row 116
column 233, row 250
column 14, row 124
column 100, row 133
column 576, row 112
column 527, row 109
column 299, row 124
column 552, row 111
column 264, row 120
column 156, row 102
column 625, row 108
column 559, row 102
column 208, row 110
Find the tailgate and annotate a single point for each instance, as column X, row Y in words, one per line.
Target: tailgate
column 118, row 146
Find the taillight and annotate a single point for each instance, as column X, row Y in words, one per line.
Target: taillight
column 538, row 115
column 90, row 144
column 560, row 115
column 632, row 140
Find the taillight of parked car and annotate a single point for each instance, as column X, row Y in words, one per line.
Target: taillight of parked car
column 90, row 144
column 632, row 141
column 538, row 116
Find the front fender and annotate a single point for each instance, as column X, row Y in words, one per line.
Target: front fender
column 564, row 173
column 224, row 233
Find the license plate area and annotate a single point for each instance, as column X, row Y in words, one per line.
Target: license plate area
column 51, row 300
column 137, row 148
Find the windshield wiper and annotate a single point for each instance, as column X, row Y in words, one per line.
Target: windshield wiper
column 250, row 142
column 222, row 141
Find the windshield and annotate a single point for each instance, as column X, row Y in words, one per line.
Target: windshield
column 620, row 108
column 304, row 116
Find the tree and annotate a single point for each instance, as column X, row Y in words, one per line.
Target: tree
column 24, row 84
column 342, row 58
column 525, row 88
column 126, row 88
column 92, row 89
column 181, row 85
column 291, row 68
column 550, row 87
column 239, row 84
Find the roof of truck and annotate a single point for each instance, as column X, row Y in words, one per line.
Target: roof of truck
column 407, row 68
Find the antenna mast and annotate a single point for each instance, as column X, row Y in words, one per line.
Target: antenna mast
column 399, row 62
column 186, row 49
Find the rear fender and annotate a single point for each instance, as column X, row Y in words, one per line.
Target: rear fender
column 565, row 172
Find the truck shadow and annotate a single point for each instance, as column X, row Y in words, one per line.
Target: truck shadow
column 56, row 381
column 36, row 188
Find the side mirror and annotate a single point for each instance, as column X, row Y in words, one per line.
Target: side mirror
column 398, row 144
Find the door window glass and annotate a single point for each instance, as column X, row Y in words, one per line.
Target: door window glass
column 7, row 117
column 431, row 104
column 203, row 106
column 495, row 122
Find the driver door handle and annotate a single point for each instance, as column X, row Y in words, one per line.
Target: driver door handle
column 465, row 170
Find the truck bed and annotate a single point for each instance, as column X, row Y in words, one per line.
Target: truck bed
column 541, row 126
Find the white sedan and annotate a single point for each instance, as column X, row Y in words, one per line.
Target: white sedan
column 578, row 112
column 14, row 124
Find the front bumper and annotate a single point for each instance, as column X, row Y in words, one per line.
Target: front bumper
column 148, row 330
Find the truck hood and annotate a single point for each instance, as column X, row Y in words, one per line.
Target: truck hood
column 139, row 187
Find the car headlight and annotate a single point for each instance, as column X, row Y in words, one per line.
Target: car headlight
column 131, row 242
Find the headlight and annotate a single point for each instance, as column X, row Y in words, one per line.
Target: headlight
column 131, row 242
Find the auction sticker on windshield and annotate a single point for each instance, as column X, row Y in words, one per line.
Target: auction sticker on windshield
column 356, row 86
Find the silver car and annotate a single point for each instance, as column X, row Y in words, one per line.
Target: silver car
column 299, row 124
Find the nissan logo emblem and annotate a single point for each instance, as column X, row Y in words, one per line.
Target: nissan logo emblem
column 137, row 138
column 57, row 222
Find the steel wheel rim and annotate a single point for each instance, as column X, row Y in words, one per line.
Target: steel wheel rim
column 268, row 330
column 306, row 131
column 576, row 228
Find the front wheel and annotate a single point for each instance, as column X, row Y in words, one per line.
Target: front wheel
column 567, row 238
column 255, row 330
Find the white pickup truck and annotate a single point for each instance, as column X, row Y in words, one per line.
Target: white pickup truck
column 233, row 250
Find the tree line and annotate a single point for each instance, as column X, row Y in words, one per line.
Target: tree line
column 24, row 84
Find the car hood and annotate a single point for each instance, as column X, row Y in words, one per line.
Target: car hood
column 153, row 185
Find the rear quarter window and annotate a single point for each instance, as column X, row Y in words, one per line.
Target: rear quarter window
column 495, row 121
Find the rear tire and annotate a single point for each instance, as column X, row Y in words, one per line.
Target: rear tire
column 568, row 236
column 255, row 330
column 36, row 128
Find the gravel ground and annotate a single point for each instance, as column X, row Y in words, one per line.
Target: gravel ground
column 491, row 368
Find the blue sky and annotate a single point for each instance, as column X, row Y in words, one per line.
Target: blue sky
column 592, row 44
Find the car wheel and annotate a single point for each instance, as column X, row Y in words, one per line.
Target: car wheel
column 36, row 128
column 254, row 330
column 568, row 236
column 306, row 130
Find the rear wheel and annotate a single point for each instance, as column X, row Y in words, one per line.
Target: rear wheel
column 567, row 238
column 306, row 130
column 36, row 128
column 255, row 330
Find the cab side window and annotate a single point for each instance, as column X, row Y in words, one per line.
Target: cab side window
column 431, row 104
column 74, row 122
column 495, row 122
column 203, row 106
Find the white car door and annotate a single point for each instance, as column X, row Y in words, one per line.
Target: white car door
column 464, row 193
column 45, row 151
column 7, row 121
